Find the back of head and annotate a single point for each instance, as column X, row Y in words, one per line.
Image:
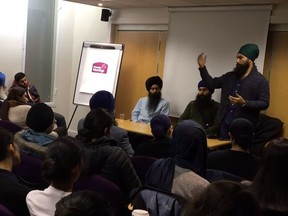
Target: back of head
column 79, row 203
column 96, row 122
column 223, row 198
column 40, row 117
column 2, row 79
column 251, row 51
column 190, row 142
column 62, row 156
column 153, row 80
column 102, row 99
column 160, row 124
column 6, row 138
column 15, row 97
column 270, row 183
column 18, row 76
column 242, row 131
column 16, row 94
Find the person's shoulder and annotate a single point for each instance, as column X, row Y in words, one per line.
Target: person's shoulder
column 219, row 153
column 163, row 100
column 215, row 102
column 118, row 130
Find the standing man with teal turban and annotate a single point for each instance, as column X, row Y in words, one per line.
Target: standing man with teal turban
column 245, row 91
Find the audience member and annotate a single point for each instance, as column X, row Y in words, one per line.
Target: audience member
column 12, row 193
column 183, row 175
column 36, row 139
column 61, row 168
column 245, row 91
column 223, row 198
column 33, row 97
column 160, row 146
column 80, row 203
column 15, row 107
column 237, row 160
column 3, row 94
column 102, row 155
column 105, row 100
column 153, row 104
column 270, row 183
column 203, row 110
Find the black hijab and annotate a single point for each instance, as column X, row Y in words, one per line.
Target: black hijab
column 190, row 142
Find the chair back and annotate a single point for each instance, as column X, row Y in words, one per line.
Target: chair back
column 104, row 187
column 157, row 202
column 5, row 211
column 141, row 165
column 10, row 126
column 29, row 171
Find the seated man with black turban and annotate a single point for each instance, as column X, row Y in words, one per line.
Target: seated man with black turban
column 203, row 110
column 151, row 105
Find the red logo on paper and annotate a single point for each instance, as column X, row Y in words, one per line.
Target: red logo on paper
column 100, row 67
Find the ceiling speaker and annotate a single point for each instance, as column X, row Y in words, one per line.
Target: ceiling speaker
column 106, row 13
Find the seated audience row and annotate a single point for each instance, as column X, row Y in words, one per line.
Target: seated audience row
column 21, row 96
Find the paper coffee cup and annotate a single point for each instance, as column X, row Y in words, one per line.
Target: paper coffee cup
column 140, row 212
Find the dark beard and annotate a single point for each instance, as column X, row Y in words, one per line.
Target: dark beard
column 240, row 70
column 203, row 101
column 153, row 101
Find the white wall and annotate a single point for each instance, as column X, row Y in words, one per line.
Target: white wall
column 12, row 37
column 77, row 23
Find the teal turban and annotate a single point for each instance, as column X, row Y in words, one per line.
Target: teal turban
column 251, row 51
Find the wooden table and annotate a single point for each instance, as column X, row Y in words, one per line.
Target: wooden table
column 145, row 129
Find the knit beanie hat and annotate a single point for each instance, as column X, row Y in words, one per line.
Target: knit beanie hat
column 102, row 99
column 243, row 131
column 203, row 84
column 153, row 80
column 159, row 125
column 40, row 117
column 2, row 79
column 251, row 51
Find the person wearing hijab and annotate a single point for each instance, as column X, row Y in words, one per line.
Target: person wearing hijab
column 151, row 105
column 160, row 146
column 244, row 91
column 15, row 107
column 183, row 175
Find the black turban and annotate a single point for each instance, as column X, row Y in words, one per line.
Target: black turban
column 153, row 80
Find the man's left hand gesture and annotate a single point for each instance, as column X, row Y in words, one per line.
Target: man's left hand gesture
column 238, row 99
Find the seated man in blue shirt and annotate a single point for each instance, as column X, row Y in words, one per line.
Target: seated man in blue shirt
column 151, row 105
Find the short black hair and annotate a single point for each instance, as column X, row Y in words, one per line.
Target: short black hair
column 96, row 121
column 19, row 76
column 86, row 202
column 62, row 156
